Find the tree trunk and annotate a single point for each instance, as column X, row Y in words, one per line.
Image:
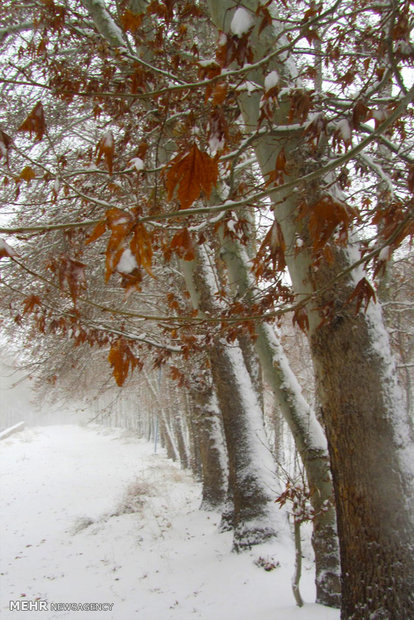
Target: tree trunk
column 308, row 435
column 194, row 434
column 368, row 433
column 369, row 444
column 251, row 466
column 212, row 448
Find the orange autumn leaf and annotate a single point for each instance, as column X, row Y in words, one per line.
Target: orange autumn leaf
column 182, row 245
column 35, row 122
column 30, row 303
column 326, row 217
column 219, row 93
column 27, row 174
column 97, row 232
column 106, row 150
column 141, row 247
column 120, row 224
column 193, row 173
column 131, row 21
column 122, row 361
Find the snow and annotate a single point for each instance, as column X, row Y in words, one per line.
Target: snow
column 105, row 24
column 108, row 140
column 137, row 163
column 292, row 391
column 249, row 86
column 385, row 253
column 343, row 129
column 381, row 351
column 11, row 430
column 271, row 80
column 210, row 62
column 5, row 247
column 242, row 22
column 216, row 144
column 379, row 115
column 404, row 47
column 127, row 262
column 92, row 516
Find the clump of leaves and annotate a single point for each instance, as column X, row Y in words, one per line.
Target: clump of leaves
column 192, row 173
column 267, row 563
column 35, row 123
column 122, row 360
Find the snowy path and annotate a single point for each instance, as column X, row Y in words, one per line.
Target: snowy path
column 91, row 515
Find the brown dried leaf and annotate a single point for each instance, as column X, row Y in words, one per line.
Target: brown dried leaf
column 71, row 273
column 5, row 144
column 106, row 150
column 219, row 93
column 182, row 245
column 35, row 122
column 360, row 114
column 300, row 318
column 410, row 179
column 141, row 248
column 27, row 174
column 6, row 251
column 325, row 217
column 97, row 232
column 122, row 360
column 362, row 294
column 193, row 173
column 30, row 303
column 131, row 21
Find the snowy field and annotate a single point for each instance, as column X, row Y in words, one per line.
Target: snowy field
column 92, row 515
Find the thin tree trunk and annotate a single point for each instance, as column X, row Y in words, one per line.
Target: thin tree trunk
column 194, row 435
column 298, row 564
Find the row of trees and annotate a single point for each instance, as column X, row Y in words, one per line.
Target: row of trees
column 182, row 175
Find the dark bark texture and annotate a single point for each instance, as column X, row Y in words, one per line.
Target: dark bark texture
column 374, row 522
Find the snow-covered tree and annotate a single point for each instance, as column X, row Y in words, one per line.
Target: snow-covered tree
column 164, row 133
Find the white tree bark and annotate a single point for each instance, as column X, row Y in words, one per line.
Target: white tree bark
column 308, row 434
column 251, row 466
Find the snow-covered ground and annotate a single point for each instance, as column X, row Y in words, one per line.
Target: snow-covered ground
column 91, row 515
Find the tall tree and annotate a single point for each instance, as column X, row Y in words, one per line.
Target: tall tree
column 360, row 401
column 121, row 116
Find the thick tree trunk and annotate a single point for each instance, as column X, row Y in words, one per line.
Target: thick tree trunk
column 308, row 435
column 251, row 466
column 212, row 448
column 367, row 429
column 371, row 463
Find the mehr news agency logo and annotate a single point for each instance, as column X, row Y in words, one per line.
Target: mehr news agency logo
column 39, row 605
